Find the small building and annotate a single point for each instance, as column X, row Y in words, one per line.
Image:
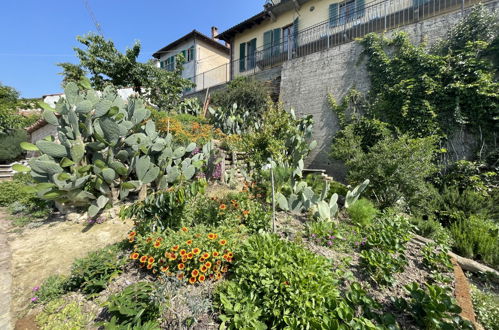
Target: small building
column 206, row 59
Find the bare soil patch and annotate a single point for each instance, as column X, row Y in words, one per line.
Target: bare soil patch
column 50, row 249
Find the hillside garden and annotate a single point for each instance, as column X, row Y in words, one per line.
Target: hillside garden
column 264, row 244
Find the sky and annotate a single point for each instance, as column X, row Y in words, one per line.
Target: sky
column 37, row 34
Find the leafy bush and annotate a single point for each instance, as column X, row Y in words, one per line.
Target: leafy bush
column 20, row 200
column 11, row 191
column 52, row 288
column 476, row 238
column 10, row 142
column 61, row 315
column 91, row 274
column 193, row 255
column 474, row 176
column 163, row 209
column 278, row 284
column 232, row 210
column 135, row 306
column 397, row 168
column 249, row 94
column 362, row 212
column 433, row 307
column 432, row 229
column 486, row 305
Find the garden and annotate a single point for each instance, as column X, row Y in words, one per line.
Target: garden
column 210, row 219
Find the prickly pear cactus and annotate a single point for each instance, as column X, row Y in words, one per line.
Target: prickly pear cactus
column 105, row 150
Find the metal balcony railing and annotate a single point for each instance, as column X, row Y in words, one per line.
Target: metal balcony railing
column 375, row 16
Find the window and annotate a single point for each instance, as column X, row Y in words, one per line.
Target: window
column 191, row 54
column 346, row 11
column 271, row 43
column 287, row 38
column 247, row 55
column 170, row 63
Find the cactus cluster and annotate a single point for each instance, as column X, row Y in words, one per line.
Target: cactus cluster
column 106, row 150
column 303, row 198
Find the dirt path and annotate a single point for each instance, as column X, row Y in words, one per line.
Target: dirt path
column 5, row 275
column 51, row 249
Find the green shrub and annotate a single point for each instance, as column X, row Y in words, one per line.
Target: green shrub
column 279, row 284
column 52, row 288
column 11, row 191
column 397, row 168
column 362, row 212
column 15, row 195
column 249, row 95
column 432, row 229
column 62, row 315
column 477, row 238
column 10, row 142
column 91, row 274
column 486, row 305
column 135, row 306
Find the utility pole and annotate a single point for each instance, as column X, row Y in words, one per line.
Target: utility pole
column 92, row 16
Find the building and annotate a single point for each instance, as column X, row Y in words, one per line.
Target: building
column 206, row 60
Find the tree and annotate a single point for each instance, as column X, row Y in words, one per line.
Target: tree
column 106, row 65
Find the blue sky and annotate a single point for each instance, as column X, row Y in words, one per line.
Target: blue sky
column 37, row 34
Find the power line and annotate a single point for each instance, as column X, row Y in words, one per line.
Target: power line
column 94, row 19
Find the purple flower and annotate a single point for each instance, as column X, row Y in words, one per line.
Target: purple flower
column 195, row 151
column 314, row 235
column 34, row 299
column 363, row 243
column 329, row 243
column 36, row 288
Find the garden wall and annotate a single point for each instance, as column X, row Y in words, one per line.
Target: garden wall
column 306, row 82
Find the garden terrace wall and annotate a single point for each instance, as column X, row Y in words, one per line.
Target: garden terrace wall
column 307, row 81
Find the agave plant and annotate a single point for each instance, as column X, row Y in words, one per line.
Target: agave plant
column 105, row 150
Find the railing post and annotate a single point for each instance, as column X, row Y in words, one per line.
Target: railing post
column 462, row 7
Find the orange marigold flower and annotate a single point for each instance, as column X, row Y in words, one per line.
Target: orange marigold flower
column 236, row 205
column 132, row 233
column 196, row 250
column 184, row 258
column 157, row 244
column 197, row 235
column 131, row 240
column 206, row 255
column 154, row 271
column 230, row 254
column 218, row 276
column 212, row 276
column 190, row 255
column 216, row 268
column 143, row 259
column 203, row 268
column 208, row 265
column 246, row 212
column 181, row 266
column 223, row 242
column 202, row 259
column 149, row 240
column 183, row 252
column 223, row 207
column 189, row 242
column 150, row 260
column 149, row 266
column 175, row 248
column 219, row 262
column 192, row 280
column 134, row 256
column 211, row 236
column 216, row 254
column 195, row 273
column 224, row 269
column 180, row 276
column 164, row 268
column 173, row 256
column 233, row 201
column 216, row 236
column 229, row 259
column 201, row 278
column 185, row 229
column 167, row 254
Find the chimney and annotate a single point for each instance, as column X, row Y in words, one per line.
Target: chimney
column 214, row 32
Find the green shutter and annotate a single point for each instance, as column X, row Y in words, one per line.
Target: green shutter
column 242, row 57
column 360, row 8
column 184, row 53
column 276, row 42
column 296, row 29
column 333, row 15
column 193, row 53
column 252, row 54
column 267, row 44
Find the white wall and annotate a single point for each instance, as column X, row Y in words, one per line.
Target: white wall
column 189, row 67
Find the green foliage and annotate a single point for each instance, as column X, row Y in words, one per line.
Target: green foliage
column 362, row 212
column 279, row 284
column 474, row 176
column 249, row 94
column 283, row 138
column 91, row 274
column 436, row 258
column 486, row 305
column 431, row 229
column 10, row 191
column 107, row 150
column 135, row 306
column 52, row 288
column 433, row 307
column 62, row 315
column 396, row 168
column 10, row 119
column 163, row 209
column 381, row 265
column 10, row 142
column 106, row 65
column 476, row 238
